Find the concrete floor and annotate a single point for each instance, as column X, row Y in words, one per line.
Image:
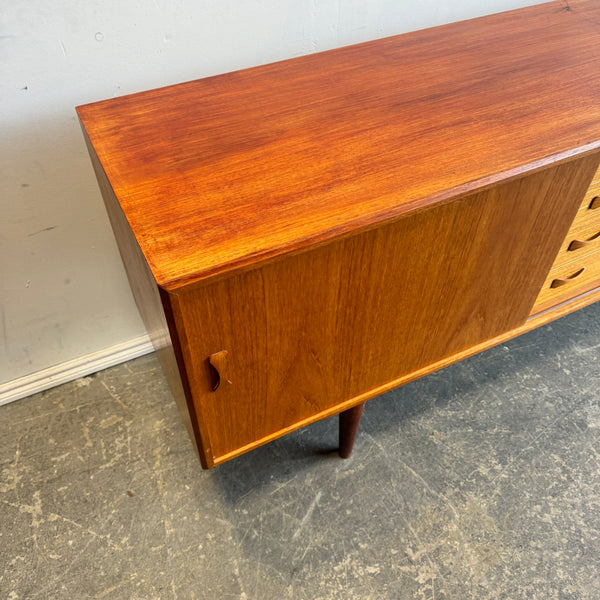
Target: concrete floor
column 480, row 481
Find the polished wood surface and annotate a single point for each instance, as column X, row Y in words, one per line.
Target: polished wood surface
column 576, row 268
column 303, row 236
column 537, row 320
column 585, row 227
column 569, row 280
column 155, row 310
column 226, row 171
column 319, row 328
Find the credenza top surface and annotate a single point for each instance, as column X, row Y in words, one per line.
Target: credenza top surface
column 222, row 172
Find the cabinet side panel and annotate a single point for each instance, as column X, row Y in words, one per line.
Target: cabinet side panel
column 153, row 307
column 314, row 330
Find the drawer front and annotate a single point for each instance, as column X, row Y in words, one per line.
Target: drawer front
column 591, row 200
column 583, row 237
column 568, row 280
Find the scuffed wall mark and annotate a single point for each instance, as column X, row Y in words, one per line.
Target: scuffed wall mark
column 42, row 230
column 62, row 47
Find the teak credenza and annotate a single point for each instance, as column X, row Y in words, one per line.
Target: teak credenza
column 305, row 235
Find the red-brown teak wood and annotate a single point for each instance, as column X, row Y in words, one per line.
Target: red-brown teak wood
column 303, row 236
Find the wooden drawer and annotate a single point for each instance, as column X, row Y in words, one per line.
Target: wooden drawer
column 590, row 201
column 583, row 237
column 568, row 280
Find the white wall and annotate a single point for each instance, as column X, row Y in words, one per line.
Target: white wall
column 63, row 292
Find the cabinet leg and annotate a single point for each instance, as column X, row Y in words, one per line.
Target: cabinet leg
column 349, row 422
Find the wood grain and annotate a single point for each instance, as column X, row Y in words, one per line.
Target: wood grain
column 576, row 277
column 222, row 172
column 585, row 225
column 542, row 318
column 576, row 268
column 315, row 232
column 310, row 333
column 155, row 310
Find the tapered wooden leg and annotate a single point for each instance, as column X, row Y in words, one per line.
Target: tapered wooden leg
column 349, row 422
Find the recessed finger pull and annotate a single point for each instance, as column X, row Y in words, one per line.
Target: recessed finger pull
column 595, row 203
column 219, row 367
column 558, row 282
column 576, row 244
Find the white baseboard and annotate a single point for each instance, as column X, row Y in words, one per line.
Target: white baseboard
column 72, row 369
